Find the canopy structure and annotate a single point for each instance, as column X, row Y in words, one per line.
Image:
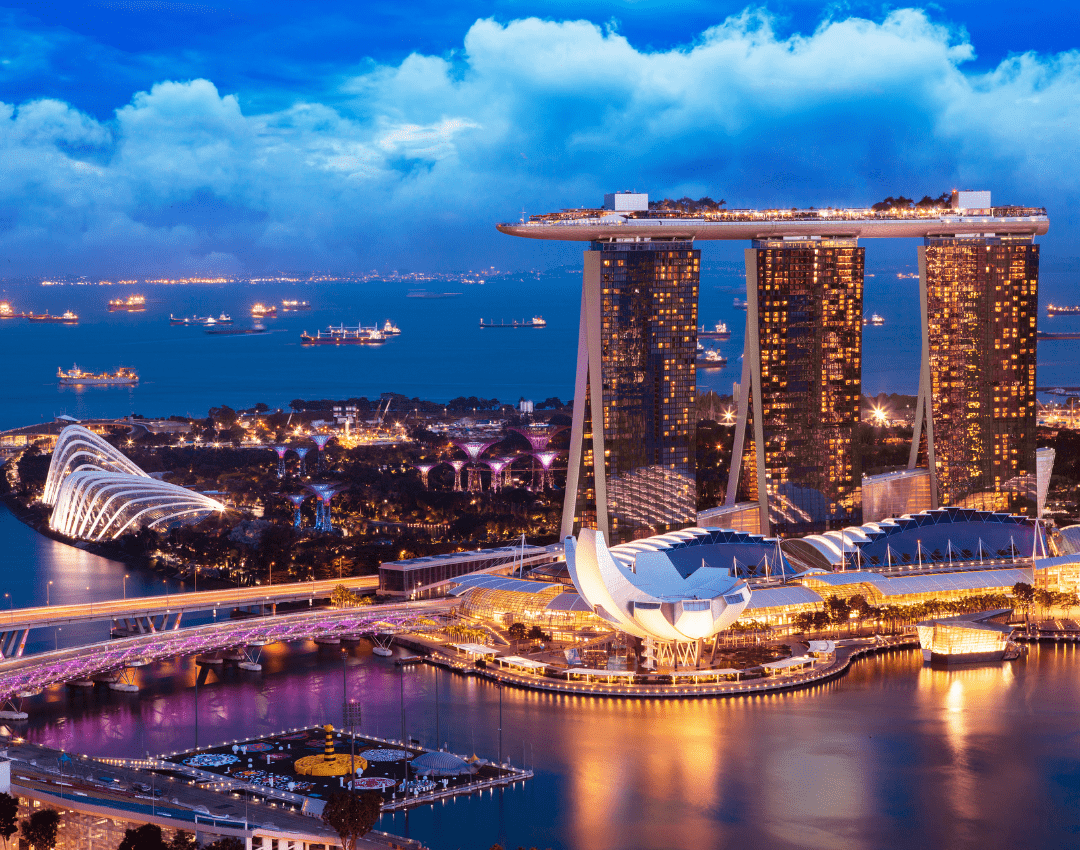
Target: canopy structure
column 441, row 764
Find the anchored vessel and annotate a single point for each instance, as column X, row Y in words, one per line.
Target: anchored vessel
column 1053, row 309
column 390, row 329
column 291, row 305
column 342, row 335
column 122, row 377
column 132, row 304
column 261, row 311
column 874, row 320
column 66, row 318
column 719, row 332
column 534, row 322
column 711, row 359
column 5, row 311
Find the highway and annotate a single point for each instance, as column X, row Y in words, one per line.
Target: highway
column 148, row 607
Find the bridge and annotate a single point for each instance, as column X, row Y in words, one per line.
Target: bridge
column 150, row 614
column 27, row 676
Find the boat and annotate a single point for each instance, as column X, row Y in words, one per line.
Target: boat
column 182, row 320
column 1054, row 310
column 65, row 318
column 534, row 322
column 719, row 332
column 390, row 329
column 385, row 652
column 711, row 359
column 342, row 335
column 132, row 304
column 219, row 331
column 260, row 311
column 739, row 303
column 5, row 311
column 122, row 377
column 874, row 319
column 291, row 305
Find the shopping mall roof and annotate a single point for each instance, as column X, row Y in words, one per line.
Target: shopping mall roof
column 893, row 586
column 464, row 584
column 781, row 597
column 941, row 536
column 689, row 549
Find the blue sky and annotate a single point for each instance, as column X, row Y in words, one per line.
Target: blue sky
column 144, row 138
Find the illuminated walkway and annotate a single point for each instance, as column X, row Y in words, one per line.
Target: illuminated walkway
column 30, row 674
column 147, row 614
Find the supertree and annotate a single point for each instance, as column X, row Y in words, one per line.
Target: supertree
column 508, row 470
column 302, row 452
column 281, row 451
column 547, row 477
column 320, row 441
column 324, row 492
column 538, row 437
column 424, row 469
column 297, row 500
column 497, row 466
column 458, row 466
column 474, row 448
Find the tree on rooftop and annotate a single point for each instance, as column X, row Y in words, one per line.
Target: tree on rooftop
column 40, row 828
column 145, row 837
column 9, row 816
column 352, row 815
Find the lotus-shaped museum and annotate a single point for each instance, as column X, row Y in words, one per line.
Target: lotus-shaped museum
column 98, row 494
column 638, row 588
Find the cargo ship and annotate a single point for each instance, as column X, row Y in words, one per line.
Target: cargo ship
column 738, row 303
column 261, row 311
column 65, row 318
column 711, row 359
column 223, row 319
column 719, row 332
column 342, row 335
column 875, row 320
column 132, row 304
column 288, row 306
column 122, row 377
column 5, row 311
column 1054, row 310
column 390, row 329
column 534, row 322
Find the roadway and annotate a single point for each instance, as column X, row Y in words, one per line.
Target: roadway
column 149, row 607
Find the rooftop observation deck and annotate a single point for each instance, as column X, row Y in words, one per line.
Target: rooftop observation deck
column 587, row 225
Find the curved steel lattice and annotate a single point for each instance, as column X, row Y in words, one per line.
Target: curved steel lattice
column 80, row 448
column 109, row 495
column 32, row 673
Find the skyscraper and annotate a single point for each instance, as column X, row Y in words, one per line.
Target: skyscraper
column 980, row 298
column 632, row 444
column 802, row 383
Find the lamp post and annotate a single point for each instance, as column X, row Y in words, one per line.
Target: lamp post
column 11, row 606
column 48, row 588
column 126, row 577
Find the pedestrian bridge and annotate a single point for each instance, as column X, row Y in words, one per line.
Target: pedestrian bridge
column 149, row 614
column 28, row 675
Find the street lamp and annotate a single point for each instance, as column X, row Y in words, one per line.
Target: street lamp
column 48, row 601
column 126, row 577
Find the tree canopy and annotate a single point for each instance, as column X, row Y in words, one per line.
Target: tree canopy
column 40, row 828
column 9, row 816
column 352, row 815
column 145, row 837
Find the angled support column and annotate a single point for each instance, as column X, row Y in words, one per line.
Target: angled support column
column 577, row 429
column 740, row 422
column 924, row 408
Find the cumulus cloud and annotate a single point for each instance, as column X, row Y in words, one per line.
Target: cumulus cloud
column 416, row 160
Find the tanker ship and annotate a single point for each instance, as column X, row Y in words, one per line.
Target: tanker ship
column 122, row 377
column 132, row 304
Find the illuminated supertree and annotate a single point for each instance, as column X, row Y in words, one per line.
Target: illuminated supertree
column 497, row 466
column 458, row 466
column 508, row 480
column 538, row 437
column 474, row 448
column 325, row 492
column 424, row 469
column 297, row 500
column 302, row 452
column 320, row 441
column 547, row 477
column 281, row 451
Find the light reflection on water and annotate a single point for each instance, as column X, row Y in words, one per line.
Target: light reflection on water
column 893, row 755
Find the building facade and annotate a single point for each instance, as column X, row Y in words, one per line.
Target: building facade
column 803, row 360
column 632, row 458
column 981, row 313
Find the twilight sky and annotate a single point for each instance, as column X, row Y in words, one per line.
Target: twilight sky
column 144, row 137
